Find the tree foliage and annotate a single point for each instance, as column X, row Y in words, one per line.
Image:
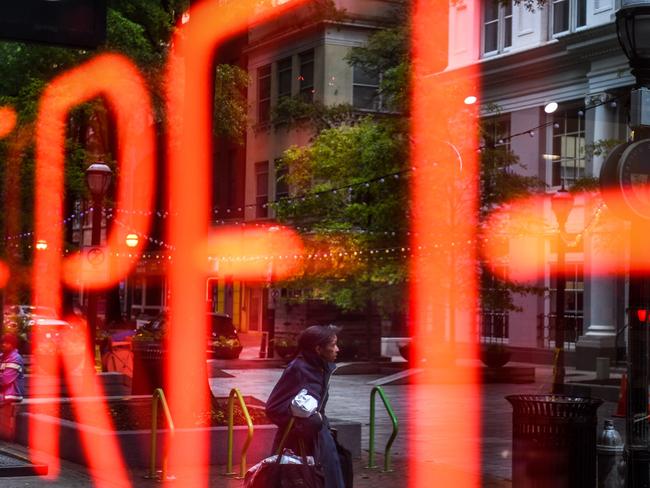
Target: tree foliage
column 349, row 195
column 139, row 29
column 230, row 116
column 376, row 215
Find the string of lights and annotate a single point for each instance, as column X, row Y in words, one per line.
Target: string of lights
column 531, row 131
column 300, row 197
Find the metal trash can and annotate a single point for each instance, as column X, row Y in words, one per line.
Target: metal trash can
column 148, row 367
column 553, row 441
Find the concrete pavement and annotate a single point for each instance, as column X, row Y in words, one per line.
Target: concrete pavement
column 349, row 400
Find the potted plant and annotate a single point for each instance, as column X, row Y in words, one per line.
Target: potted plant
column 227, row 347
column 495, row 355
column 286, row 348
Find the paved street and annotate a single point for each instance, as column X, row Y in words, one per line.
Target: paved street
column 349, row 400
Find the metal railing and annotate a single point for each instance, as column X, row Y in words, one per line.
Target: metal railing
column 231, row 417
column 391, row 439
column 159, row 396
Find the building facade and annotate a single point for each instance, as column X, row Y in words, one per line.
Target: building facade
column 565, row 52
column 303, row 58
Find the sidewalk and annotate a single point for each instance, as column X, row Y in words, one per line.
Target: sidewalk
column 349, row 400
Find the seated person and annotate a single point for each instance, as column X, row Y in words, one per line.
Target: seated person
column 12, row 370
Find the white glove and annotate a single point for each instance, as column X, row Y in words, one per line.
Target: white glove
column 303, row 405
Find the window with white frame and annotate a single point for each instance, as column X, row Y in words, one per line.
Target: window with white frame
column 496, row 132
column 568, row 15
column 573, row 300
column 264, row 94
column 306, row 76
column 365, row 89
column 261, row 189
column 281, row 184
column 284, row 77
column 495, row 318
column 497, row 27
column 568, row 146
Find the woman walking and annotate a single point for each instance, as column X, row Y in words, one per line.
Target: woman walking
column 310, row 371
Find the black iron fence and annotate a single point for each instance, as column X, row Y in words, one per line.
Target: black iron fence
column 494, row 326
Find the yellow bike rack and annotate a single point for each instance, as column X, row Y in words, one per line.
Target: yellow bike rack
column 159, row 396
column 231, row 427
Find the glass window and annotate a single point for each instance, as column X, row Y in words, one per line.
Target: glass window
column 497, row 27
column 569, row 145
column 581, row 13
column 568, row 15
column 507, row 25
column 494, row 321
column 284, row 78
column 306, row 76
column 154, row 291
column 264, row 93
column 560, row 16
column 138, row 286
column 281, row 185
column 573, row 300
column 261, row 189
column 497, row 132
column 365, row 90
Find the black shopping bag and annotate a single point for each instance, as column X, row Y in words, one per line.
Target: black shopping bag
column 273, row 473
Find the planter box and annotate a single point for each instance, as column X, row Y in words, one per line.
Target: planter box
column 114, row 384
column 136, row 445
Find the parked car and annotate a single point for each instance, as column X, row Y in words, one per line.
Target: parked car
column 19, row 319
column 18, row 313
column 56, row 334
column 221, row 332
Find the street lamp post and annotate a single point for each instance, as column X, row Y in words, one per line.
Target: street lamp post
column 98, row 179
column 561, row 203
column 633, row 30
column 131, row 241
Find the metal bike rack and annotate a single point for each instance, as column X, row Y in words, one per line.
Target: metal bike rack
column 371, row 442
column 159, row 396
column 231, row 414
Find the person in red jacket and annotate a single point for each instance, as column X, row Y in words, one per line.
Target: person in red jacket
column 12, row 370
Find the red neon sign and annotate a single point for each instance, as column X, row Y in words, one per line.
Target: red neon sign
column 117, row 80
column 189, row 102
column 189, row 105
column 444, row 206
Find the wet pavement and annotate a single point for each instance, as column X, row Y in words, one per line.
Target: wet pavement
column 349, row 400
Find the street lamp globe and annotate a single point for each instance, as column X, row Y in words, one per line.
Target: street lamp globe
column 131, row 240
column 562, row 203
column 633, row 30
column 98, row 178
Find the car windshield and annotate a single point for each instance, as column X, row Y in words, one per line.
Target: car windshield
column 30, row 310
column 41, row 311
column 220, row 325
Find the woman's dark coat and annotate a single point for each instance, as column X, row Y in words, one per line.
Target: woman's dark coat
column 311, row 372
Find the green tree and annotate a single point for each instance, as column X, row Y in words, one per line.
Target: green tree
column 349, row 197
column 139, row 29
column 372, row 211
